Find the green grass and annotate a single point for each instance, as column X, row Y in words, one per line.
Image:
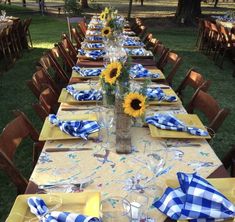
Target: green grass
column 46, row 31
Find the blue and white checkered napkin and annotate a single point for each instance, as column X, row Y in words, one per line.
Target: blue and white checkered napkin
column 159, row 95
column 94, row 38
column 39, row 208
column 84, row 95
column 135, row 52
column 170, row 122
column 87, row 72
column 195, row 199
column 138, row 71
column 93, row 32
column 131, row 42
column 94, row 54
column 94, row 45
column 75, row 128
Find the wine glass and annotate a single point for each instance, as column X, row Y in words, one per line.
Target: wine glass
column 105, row 119
column 115, row 209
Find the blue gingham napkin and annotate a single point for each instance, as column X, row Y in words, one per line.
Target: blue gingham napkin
column 135, row 52
column 75, row 128
column 94, row 45
column 93, row 32
column 94, row 38
column 94, row 54
column 159, row 95
column 87, row 72
column 84, row 95
column 138, row 71
column 40, row 209
column 170, row 122
column 131, row 42
column 195, row 199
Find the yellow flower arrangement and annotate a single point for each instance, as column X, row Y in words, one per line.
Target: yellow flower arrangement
column 112, row 72
column 106, row 31
column 134, row 104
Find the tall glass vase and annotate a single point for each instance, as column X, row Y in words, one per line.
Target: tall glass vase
column 123, row 128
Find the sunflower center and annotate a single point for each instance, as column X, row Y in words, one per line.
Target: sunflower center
column 136, row 104
column 113, row 73
column 106, row 31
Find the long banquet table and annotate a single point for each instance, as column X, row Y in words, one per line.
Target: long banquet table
column 117, row 175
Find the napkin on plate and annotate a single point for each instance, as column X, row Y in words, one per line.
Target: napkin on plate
column 39, row 208
column 135, row 52
column 95, row 54
column 159, row 95
column 94, row 38
column 87, row 72
column 84, row 95
column 131, row 42
column 170, row 122
column 195, row 199
column 138, row 71
column 94, row 45
column 75, row 128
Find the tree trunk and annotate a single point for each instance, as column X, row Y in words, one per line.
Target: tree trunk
column 84, row 4
column 24, row 3
column 142, row 2
column 129, row 10
column 187, row 11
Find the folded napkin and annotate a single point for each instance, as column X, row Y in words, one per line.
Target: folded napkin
column 195, row 199
column 170, row 122
column 93, row 32
column 94, row 45
column 95, row 54
column 136, row 52
column 131, row 42
column 94, row 38
column 128, row 33
column 39, row 208
column 87, row 72
column 84, row 95
column 138, row 71
column 76, row 128
column 159, row 95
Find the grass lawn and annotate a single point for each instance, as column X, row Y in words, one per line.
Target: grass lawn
column 46, row 31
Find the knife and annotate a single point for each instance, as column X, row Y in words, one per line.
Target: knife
column 66, row 149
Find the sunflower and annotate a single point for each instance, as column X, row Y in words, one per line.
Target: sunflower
column 106, row 31
column 134, row 104
column 103, row 16
column 112, row 72
column 107, row 10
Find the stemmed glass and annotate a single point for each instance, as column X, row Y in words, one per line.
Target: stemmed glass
column 105, row 119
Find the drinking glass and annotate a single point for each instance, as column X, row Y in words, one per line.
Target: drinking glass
column 114, row 209
column 105, row 119
column 139, row 205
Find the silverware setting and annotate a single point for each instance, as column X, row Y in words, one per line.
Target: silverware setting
column 65, row 149
column 183, row 145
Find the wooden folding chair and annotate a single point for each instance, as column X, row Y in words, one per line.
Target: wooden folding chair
column 40, row 81
column 229, row 161
column 68, row 45
column 195, row 80
column 73, row 20
column 210, row 108
column 67, row 58
column 173, row 60
column 76, row 37
column 48, row 103
column 160, row 52
column 47, row 63
column 25, row 34
column 10, row 139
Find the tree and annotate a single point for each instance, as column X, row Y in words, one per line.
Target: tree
column 84, row 4
column 187, row 11
column 129, row 9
